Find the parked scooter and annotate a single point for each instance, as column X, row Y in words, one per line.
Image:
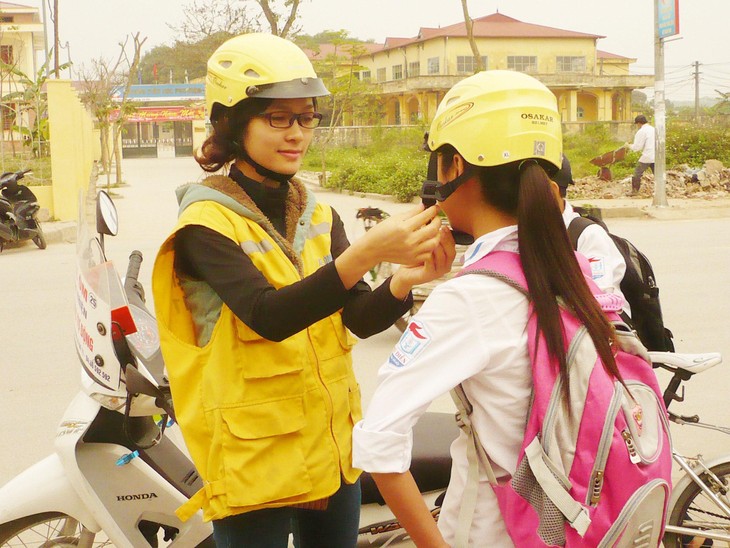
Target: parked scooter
column 119, row 468
column 18, row 211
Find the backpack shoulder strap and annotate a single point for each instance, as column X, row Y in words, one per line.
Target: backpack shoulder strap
column 503, row 265
column 476, row 456
column 576, row 228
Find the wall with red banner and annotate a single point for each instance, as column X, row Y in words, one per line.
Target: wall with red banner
column 163, row 114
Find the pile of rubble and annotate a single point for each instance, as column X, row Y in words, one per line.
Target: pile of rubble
column 710, row 182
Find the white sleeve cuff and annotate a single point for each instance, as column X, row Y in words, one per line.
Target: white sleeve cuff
column 381, row 452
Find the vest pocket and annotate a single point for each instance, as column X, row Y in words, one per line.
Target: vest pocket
column 262, row 452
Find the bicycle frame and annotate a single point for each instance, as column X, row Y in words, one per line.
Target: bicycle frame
column 694, row 467
column 691, row 473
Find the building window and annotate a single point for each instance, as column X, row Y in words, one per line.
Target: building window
column 6, row 19
column 433, row 65
column 365, row 75
column 523, row 63
column 414, row 69
column 6, row 54
column 381, row 75
column 397, row 72
column 8, row 116
column 466, row 64
column 571, row 64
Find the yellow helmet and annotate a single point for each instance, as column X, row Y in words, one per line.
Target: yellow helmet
column 499, row 116
column 259, row 65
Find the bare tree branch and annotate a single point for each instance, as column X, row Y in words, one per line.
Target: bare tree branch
column 205, row 18
column 99, row 89
column 470, row 34
column 273, row 17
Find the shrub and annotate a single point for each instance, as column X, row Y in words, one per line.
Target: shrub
column 693, row 145
column 398, row 173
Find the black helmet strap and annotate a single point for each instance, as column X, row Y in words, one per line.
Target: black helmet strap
column 263, row 171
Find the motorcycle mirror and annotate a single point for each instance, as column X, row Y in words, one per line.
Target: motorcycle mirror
column 107, row 220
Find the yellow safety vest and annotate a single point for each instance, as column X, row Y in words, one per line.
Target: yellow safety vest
column 267, row 424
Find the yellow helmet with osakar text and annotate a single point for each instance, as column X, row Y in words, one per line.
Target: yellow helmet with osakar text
column 259, row 65
column 499, row 116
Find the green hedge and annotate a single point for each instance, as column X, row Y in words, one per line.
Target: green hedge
column 693, row 145
column 392, row 164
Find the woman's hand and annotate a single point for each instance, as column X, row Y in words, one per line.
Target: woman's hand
column 406, row 238
column 439, row 264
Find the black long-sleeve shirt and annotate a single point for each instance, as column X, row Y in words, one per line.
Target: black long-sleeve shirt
column 204, row 254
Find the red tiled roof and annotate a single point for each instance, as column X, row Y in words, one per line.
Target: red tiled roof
column 329, row 49
column 608, row 55
column 11, row 5
column 496, row 25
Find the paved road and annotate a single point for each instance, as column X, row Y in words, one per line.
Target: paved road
column 39, row 368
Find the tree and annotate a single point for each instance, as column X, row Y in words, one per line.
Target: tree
column 472, row 41
column 99, row 89
column 212, row 17
column 180, row 58
column 723, row 105
column 339, row 71
column 272, row 13
column 31, row 99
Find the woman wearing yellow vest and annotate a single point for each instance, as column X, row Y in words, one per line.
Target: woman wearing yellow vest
column 255, row 291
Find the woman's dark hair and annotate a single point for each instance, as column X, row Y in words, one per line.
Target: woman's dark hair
column 522, row 189
column 229, row 123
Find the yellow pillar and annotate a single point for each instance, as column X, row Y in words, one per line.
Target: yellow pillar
column 72, row 147
column 572, row 105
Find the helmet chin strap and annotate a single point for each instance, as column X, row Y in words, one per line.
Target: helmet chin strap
column 263, row 171
column 447, row 189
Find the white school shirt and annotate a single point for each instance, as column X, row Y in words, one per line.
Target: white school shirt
column 644, row 143
column 471, row 330
column 607, row 264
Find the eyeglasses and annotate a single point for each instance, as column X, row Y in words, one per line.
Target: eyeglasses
column 284, row 120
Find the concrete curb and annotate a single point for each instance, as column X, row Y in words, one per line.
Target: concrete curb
column 60, row 231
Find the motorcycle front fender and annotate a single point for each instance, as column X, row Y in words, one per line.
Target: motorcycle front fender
column 44, row 487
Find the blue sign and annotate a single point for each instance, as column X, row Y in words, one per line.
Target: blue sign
column 162, row 92
column 668, row 20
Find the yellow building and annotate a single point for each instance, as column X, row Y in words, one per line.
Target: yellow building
column 413, row 74
column 21, row 37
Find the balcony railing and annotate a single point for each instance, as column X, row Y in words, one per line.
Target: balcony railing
column 555, row 80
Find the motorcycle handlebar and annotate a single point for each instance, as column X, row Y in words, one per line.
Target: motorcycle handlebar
column 13, row 176
column 135, row 260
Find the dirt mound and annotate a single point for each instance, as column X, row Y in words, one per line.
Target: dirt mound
column 710, row 182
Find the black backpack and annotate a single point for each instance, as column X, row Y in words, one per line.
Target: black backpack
column 638, row 286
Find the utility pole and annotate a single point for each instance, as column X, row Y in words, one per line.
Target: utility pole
column 697, row 91
column 56, row 43
column 660, row 190
column 45, row 36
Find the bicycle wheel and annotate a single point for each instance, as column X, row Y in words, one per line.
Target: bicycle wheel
column 51, row 530
column 694, row 509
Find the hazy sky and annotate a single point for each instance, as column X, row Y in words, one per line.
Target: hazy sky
column 94, row 28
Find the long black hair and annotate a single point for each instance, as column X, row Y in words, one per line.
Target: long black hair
column 522, row 189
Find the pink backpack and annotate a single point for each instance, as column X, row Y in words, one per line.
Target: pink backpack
column 596, row 474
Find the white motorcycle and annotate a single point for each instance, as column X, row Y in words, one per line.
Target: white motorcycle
column 120, row 469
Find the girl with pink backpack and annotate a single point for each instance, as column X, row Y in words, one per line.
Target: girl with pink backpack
column 564, row 436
